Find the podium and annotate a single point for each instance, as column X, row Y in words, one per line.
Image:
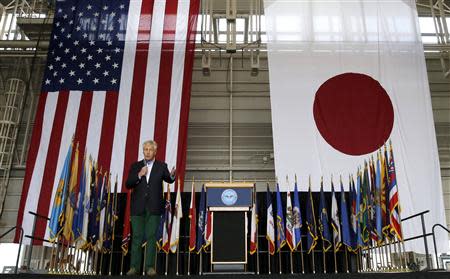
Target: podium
column 229, row 204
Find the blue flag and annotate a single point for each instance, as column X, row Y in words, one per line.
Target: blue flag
column 346, row 239
column 57, row 216
column 201, row 221
column 159, row 232
column 311, row 235
column 324, row 226
column 78, row 217
column 281, row 237
column 297, row 218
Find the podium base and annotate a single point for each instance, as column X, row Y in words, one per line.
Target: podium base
column 228, row 268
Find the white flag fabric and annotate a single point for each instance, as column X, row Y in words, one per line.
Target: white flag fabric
column 346, row 76
column 290, row 238
column 335, row 222
column 178, row 214
column 253, row 230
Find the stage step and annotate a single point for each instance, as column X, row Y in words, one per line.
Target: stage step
column 403, row 275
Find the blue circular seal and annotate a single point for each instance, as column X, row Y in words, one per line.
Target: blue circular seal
column 229, row 197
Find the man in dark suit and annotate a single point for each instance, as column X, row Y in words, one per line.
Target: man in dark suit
column 145, row 179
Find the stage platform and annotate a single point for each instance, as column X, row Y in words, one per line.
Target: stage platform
column 391, row 275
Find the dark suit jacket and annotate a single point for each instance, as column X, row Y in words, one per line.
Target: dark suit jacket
column 147, row 194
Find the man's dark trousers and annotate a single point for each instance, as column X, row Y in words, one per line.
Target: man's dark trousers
column 147, row 205
column 144, row 228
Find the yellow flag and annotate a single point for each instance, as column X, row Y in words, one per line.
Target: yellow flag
column 71, row 199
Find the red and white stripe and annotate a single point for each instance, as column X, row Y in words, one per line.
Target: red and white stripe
column 394, row 206
column 153, row 103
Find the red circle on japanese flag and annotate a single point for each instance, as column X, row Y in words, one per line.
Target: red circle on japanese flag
column 353, row 113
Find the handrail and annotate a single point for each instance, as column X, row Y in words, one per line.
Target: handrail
column 434, row 241
column 38, row 215
column 20, row 243
column 415, row 215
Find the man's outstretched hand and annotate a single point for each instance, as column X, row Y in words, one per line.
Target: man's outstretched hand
column 173, row 172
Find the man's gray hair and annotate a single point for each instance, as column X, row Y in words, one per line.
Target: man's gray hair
column 150, row 142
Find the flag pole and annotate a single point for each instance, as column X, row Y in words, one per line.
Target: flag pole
column 201, row 262
column 404, row 255
column 358, row 260
column 145, row 256
column 323, row 256
column 301, row 246
column 334, row 254
column 92, row 259
column 76, row 259
column 189, row 262
column 167, row 262
column 85, row 262
column 113, row 225
column 52, row 259
column 257, row 234
column 392, row 266
column 60, row 256
column 178, row 259
column 394, row 263
column 380, row 253
column 346, row 259
column 377, row 252
column 100, row 269
column 368, row 258
column 290, row 252
column 64, row 263
column 313, row 262
column 279, row 259
column 177, row 245
column 121, row 263
column 374, row 259
column 383, row 265
column 268, row 255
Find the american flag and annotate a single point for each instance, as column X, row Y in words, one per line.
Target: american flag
column 118, row 73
